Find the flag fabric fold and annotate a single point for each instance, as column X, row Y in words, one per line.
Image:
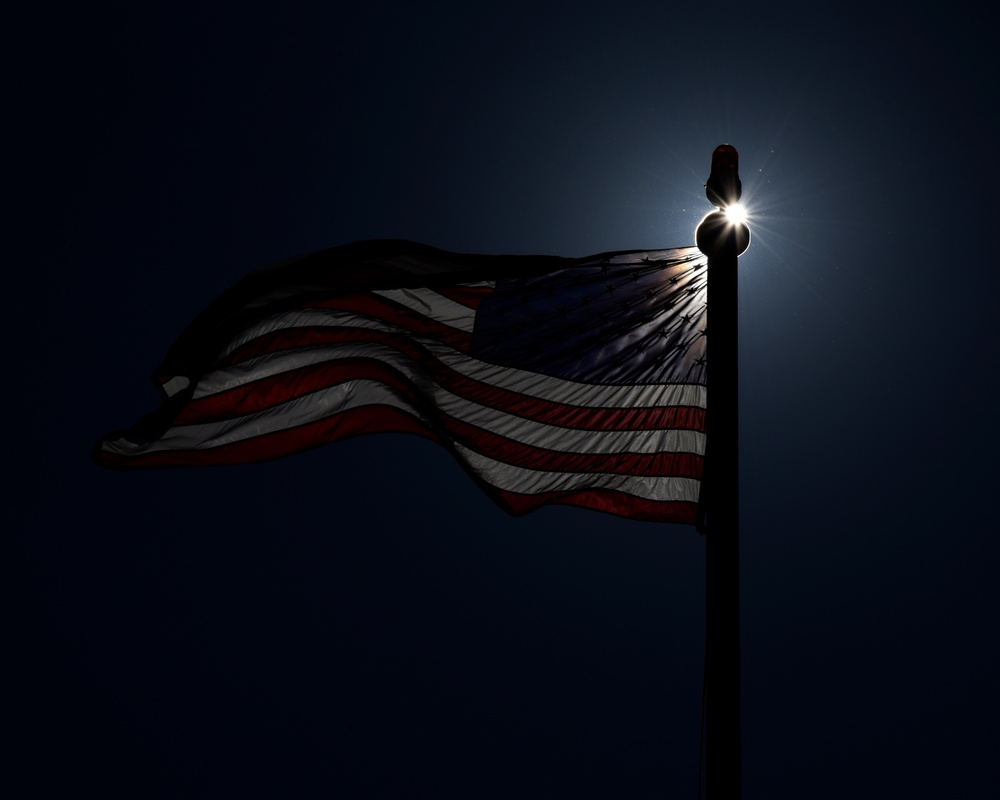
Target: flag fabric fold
column 550, row 380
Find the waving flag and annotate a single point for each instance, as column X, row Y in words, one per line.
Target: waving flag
column 550, row 380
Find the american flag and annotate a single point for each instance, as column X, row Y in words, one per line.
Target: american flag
column 550, row 380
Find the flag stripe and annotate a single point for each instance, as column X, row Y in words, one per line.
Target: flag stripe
column 517, row 454
column 433, row 305
column 388, row 419
column 684, row 512
column 370, row 307
column 513, row 449
column 470, row 295
column 532, row 384
column 356, row 358
column 530, row 481
column 313, row 406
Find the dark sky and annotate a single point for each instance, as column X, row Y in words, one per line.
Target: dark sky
column 360, row 621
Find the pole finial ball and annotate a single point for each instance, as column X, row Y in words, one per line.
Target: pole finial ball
column 718, row 236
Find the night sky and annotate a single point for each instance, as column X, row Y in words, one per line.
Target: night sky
column 360, row 621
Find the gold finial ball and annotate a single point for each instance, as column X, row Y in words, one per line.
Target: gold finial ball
column 718, row 236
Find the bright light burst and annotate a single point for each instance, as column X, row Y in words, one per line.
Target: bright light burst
column 736, row 213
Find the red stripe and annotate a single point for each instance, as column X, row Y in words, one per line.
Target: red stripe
column 354, row 422
column 518, row 454
column 496, row 446
column 385, row 419
column 468, row 296
column 499, row 448
column 607, row 500
column 377, row 307
column 261, row 394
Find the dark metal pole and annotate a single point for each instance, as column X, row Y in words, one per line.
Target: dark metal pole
column 722, row 241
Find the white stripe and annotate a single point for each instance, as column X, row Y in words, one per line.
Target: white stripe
column 476, row 285
column 530, row 481
column 426, row 302
column 175, row 385
column 429, row 303
column 358, row 394
column 533, row 384
column 349, row 394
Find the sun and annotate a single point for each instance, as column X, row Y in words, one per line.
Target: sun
column 736, row 213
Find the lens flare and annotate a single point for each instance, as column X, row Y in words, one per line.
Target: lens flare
column 736, row 213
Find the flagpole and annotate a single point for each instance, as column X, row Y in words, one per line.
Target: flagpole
column 722, row 240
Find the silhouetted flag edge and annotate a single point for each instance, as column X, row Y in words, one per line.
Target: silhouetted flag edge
column 549, row 379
